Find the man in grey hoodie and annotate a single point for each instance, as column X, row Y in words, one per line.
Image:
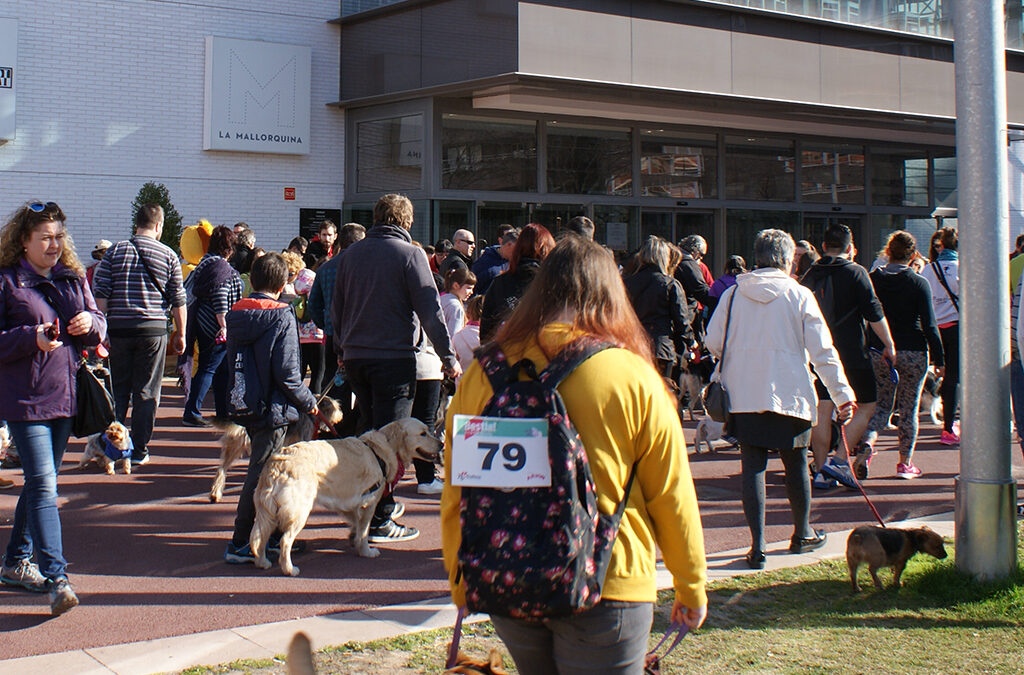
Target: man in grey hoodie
column 384, row 292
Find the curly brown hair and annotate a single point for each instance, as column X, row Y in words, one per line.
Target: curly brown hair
column 23, row 223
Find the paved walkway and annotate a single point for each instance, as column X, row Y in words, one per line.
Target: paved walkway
column 268, row 640
column 145, row 550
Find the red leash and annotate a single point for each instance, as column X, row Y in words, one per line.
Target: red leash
column 326, row 422
column 842, row 431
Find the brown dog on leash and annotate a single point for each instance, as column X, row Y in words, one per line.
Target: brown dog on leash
column 467, row 665
column 888, row 547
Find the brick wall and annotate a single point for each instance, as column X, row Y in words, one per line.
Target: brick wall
column 110, row 95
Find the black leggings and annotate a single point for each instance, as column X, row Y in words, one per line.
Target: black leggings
column 951, row 381
column 798, row 488
column 424, row 408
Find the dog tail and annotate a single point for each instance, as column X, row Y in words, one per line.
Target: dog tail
column 300, row 655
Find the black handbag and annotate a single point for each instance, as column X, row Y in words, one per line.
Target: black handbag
column 95, row 404
column 714, row 396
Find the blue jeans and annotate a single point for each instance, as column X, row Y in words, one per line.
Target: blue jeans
column 36, row 523
column 610, row 638
column 1017, row 398
column 208, row 372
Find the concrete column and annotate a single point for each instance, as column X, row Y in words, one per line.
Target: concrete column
column 985, row 490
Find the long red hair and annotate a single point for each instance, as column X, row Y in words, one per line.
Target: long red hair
column 582, row 276
column 535, row 241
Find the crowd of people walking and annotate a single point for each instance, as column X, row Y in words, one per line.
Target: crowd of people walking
column 803, row 341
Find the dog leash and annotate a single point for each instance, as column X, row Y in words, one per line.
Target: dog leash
column 326, row 422
column 842, row 432
column 652, row 662
column 453, row 649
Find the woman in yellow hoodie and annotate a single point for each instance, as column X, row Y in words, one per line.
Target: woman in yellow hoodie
column 624, row 416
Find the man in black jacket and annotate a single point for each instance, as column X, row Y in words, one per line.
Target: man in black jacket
column 461, row 255
column 847, row 299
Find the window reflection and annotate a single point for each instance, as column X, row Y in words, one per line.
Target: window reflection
column 488, row 154
column 832, row 174
column 759, row 168
column 589, row 160
column 389, row 154
column 899, row 178
column 684, row 167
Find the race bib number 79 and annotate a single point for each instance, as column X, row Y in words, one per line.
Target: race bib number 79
column 500, row 452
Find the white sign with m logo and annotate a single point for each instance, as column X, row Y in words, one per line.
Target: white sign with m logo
column 257, row 96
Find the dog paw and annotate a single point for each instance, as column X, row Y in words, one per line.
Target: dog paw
column 214, row 498
column 369, row 552
column 293, row 572
column 263, row 563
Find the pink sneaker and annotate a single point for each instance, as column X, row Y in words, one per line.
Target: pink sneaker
column 907, row 471
column 949, row 438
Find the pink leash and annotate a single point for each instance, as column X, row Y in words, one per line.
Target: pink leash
column 842, row 430
column 652, row 662
column 453, row 649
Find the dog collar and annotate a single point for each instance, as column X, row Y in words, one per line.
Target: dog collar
column 115, row 453
column 384, row 473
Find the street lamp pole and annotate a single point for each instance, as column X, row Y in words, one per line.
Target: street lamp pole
column 986, row 530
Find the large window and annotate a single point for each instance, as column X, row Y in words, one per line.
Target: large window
column 944, row 168
column 832, row 174
column 684, row 167
column 589, row 160
column 759, row 169
column 389, row 154
column 899, row 177
column 488, row 154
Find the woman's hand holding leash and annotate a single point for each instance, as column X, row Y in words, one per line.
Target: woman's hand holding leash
column 846, row 411
column 46, row 337
column 692, row 617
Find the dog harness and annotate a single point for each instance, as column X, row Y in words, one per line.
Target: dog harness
column 114, row 453
column 384, row 475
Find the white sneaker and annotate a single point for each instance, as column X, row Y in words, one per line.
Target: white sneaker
column 434, row 488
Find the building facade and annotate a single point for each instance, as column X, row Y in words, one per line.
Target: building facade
column 112, row 94
column 658, row 117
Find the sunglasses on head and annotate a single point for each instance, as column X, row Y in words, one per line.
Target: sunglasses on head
column 39, row 207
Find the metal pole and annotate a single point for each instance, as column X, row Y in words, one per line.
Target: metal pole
column 986, row 533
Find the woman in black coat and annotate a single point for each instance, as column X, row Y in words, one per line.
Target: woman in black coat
column 533, row 245
column 660, row 304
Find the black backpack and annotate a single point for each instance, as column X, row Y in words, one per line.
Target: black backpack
column 542, row 552
column 824, row 292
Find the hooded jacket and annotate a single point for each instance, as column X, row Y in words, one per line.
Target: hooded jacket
column 776, row 328
column 383, row 292
column 945, row 311
column 504, row 294
column 269, row 326
column 907, row 301
column 40, row 385
column 488, row 266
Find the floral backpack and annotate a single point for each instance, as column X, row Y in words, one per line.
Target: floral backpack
column 537, row 552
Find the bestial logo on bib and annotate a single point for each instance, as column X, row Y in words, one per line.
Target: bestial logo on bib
column 6, row 77
column 257, row 96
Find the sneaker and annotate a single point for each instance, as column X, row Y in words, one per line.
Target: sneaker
column 808, row 544
column 5, row 484
column 194, row 421
column 24, row 573
column 140, row 461
column 62, row 598
column 822, row 482
column 238, row 555
column 863, row 460
column 274, row 547
column 433, row 488
column 391, row 532
column 907, row 471
column 10, row 461
column 949, row 438
column 839, row 471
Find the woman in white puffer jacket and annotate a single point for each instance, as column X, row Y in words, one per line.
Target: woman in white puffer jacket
column 775, row 328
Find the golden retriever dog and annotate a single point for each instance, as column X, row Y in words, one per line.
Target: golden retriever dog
column 888, row 547
column 96, row 449
column 345, row 475
column 234, row 441
column 494, row 665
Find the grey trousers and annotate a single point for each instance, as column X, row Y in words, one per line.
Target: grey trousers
column 136, row 370
column 609, row 639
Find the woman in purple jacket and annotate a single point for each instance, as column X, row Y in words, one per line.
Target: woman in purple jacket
column 47, row 315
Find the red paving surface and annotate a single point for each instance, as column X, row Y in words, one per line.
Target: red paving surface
column 145, row 550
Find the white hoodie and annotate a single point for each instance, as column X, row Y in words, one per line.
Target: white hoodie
column 776, row 329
